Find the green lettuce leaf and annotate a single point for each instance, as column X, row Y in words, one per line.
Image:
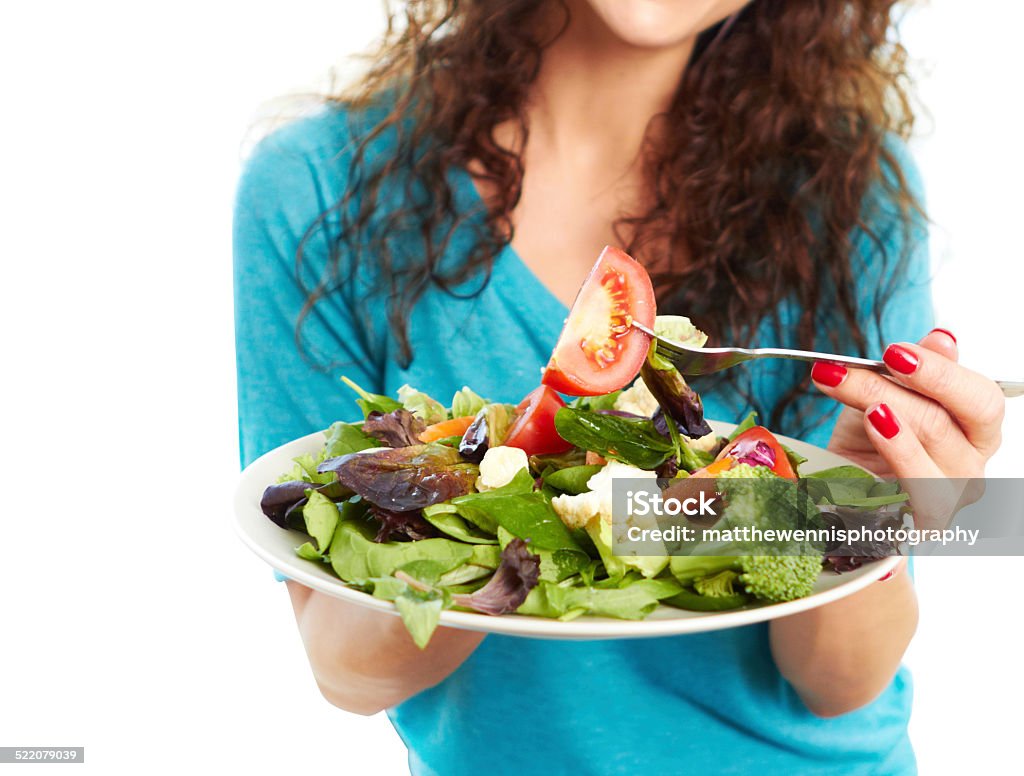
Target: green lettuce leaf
column 466, row 402
column 852, row 486
column 356, row 558
column 747, row 423
column 372, row 402
column 555, row 565
column 321, row 517
column 420, row 612
column 634, row 601
column 423, row 406
column 795, row 459
column 679, row 328
column 345, row 438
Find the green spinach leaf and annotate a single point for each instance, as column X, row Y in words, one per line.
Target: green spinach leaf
column 631, row 440
column 444, row 518
column 572, row 480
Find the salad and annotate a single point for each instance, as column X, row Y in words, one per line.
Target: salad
column 499, row 508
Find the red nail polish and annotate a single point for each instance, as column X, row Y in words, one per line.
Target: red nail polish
column 884, row 421
column 828, row 374
column 899, row 359
column 947, row 332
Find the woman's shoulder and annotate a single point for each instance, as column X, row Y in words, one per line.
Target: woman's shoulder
column 891, row 238
column 891, row 261
column 307, row 158
column 896, row 198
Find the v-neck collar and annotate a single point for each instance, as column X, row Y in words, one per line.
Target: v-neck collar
column 509, row 265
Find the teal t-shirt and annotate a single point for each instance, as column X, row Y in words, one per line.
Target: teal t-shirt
column 704, row 703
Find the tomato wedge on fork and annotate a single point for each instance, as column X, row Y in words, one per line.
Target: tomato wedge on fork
column 599, row 351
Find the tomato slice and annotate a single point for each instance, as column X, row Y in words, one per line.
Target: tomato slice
column 534, row 427
column 599, row 351
column 746, row 444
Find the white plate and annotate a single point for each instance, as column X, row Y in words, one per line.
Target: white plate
column 277, row 547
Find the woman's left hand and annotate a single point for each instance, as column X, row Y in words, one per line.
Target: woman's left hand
column 946, row 423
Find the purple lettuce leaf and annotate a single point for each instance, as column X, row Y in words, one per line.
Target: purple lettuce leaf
column 404, row 479
column 279, row 501
column 517, row 574
column 678, row 400
column 399, row 428
column 847, row 557
column 843, row 563
column 402, row 526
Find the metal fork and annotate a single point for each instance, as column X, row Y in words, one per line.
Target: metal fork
column 690, row 360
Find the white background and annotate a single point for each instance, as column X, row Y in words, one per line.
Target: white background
column 133, row 622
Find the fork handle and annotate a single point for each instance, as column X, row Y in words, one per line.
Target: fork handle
column 806, row 355
column 1010, row 388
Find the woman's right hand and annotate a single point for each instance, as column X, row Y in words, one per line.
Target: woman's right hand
column 364, row 661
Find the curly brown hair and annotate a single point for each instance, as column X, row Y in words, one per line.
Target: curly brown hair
column 764, row 161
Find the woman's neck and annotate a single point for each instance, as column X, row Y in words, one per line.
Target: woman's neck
column 587, row 113
column 596, row 94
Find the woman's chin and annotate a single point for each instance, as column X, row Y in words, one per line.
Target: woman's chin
column 660, row 24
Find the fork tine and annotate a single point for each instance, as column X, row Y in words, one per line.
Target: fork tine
column 681, row 357
column 640, row 327
column 663, row 344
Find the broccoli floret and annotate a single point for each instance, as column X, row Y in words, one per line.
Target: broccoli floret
column 718, row 585
column 755, row 495
column 773, row 578
column 758, row 498
column 780, row 577
column 746, row 471
column 689, row 568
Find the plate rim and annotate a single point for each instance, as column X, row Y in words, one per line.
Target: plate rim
column 586, row 627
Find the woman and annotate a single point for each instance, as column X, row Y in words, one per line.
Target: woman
column 443, row 218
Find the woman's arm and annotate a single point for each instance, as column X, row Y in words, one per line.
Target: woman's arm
column 364, row 661
column 942, row 427
column 841, row 656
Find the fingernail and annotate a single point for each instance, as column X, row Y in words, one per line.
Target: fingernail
column 947, row 332
column 884, row 421
column 899, row 567
column 828, row 374
column 899, row 359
